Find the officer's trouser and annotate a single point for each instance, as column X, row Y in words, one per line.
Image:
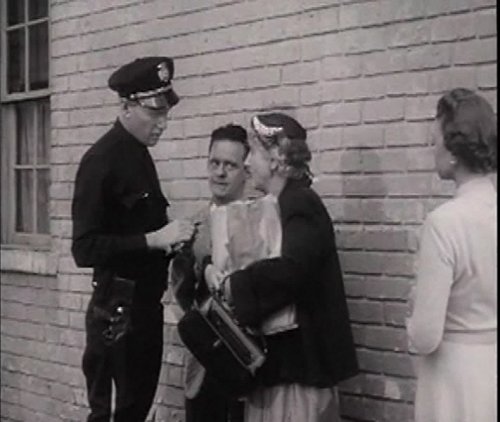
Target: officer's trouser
column 133, row 364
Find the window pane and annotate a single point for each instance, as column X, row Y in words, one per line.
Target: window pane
column 42, row 201
column 24, row 201
column 37, row 9
column 15, row 61
column 39, row 55
column 43, row 142
column 25, row 122
column 15, row 11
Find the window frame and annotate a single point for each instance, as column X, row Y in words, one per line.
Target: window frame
column 9, row 237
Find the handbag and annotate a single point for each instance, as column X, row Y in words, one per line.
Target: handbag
column 228, row 352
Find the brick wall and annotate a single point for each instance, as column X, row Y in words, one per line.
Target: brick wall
column 362, row 76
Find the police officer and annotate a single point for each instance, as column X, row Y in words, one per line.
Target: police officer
column 122, row 231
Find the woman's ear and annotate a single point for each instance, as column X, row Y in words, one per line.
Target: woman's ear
column 277, row 163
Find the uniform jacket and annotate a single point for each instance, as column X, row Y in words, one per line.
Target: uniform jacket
column 320, row 352
column 117, row 200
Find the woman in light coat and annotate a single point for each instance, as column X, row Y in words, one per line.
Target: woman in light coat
column 453, row 324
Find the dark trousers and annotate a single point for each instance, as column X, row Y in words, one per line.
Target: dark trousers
column 210, row 405
column 133, row 364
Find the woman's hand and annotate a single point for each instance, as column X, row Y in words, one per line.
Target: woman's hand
column 213, row 277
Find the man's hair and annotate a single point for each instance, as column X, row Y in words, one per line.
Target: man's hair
column 469, row 129
column 233, row 133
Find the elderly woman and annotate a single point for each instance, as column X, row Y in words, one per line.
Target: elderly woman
column 453, row 326
column 308, row 356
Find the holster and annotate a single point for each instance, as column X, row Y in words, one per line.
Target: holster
column 113, row 307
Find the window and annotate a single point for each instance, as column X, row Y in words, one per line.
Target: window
column 25, row 121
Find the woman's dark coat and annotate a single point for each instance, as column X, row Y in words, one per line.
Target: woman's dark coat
column 320, row 352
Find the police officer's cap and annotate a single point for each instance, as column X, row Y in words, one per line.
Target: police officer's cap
column 147, row 80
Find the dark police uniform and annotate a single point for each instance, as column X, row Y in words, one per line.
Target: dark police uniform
column 117, row 200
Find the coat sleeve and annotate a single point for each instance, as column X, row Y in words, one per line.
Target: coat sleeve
column 270, row 284
column 92, row 245
column 432, row 288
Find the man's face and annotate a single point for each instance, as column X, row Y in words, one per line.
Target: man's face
column 226, row 171
column 146, row 124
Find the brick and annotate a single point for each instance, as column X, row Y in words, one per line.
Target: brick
column 283, row 97
column 318, row 21
column 310, row 94
column 409, row 34
column 173, row 396
column 384, row 110
column 393, row 210
column 405, row 9
column 64, row 65
column 385, row 387
column 383, row 62
column 459, row 6
column 407, row 84
column 365, row 88
column 483, row 3
column 487, row 76
column 408, row 184
column 364, row 136
column 475, row 51
column 365, row 40
column 354, row 286
column 377, row 263
column 383, row 338
column 396, row 412
column 360, row 15
column 454, row 27
column 395, row 314
column 368, row 312
column 370, row 360
column 363, row 186
column 183, row 189
column 336, row 114
column 441, row 80
column 329, row 138
column 421, row 158
column 388, row 288
column 341, row 67
column 328, row 184
column 300, row 73
column 398, row 364
column 332, row 92
column 433, row 8
column 486, row 23
column 339, row 162
column 421, row 108
column 429, row 57
column 381, row 161
column 317, row 47
column 407, row 133
column 385, row 239
column 344, row 210
column 309, row 117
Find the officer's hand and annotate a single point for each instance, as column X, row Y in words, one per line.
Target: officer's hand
column 213, row 277
column 174, row 233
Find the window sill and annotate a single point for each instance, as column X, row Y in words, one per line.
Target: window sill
column 16, row 259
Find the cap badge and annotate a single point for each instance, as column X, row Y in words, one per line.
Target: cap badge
column 163, row 73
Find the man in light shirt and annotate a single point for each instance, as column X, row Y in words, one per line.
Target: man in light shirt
column 227, row 152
